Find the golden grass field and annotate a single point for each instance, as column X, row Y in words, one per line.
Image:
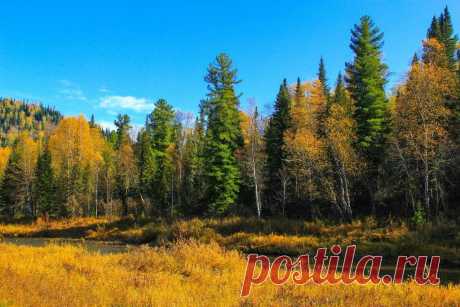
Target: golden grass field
column 201, row 263
column 187, row 274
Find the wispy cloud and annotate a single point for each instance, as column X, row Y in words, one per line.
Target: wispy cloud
column 126, row 102
column 71, row 91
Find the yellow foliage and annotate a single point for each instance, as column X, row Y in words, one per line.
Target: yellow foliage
column 4, row 157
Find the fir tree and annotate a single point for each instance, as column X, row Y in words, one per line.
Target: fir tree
column 159, row 166
column 44, row 187
column 278, row 124
column 415, row 59
column 434, row 31
column 322, row 77
column 11, row 194
column 447, row 38
column 223, row 136
column 366, row 78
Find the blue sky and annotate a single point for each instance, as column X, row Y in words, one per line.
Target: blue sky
column 106, row 57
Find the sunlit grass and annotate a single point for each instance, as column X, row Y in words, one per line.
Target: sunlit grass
column 268, row 236
column 186, row 274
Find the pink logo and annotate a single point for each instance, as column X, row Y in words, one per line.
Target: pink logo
column 283, row 268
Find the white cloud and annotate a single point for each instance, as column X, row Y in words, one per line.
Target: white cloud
column 106, row 124
column 71, row 91
column 126, row 102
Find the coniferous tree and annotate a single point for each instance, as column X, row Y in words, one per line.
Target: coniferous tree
column 44, row 187
column 278, row 124
column 223, row 136
column 366, row 78
column 322, row 77
column 448, row 39
column 11, row 196
column 434, row 31
column 161, row 130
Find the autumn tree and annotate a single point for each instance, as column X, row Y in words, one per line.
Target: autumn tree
column 421, row 146
column 252, row 156
column 126, row 168
column 343, row 160
column 19, row 177
column 306, row 155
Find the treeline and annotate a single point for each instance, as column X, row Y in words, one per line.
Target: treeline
column 327, row 152
column 16, row 116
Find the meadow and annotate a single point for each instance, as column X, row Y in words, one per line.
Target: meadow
column 201, row 262
column 185, row 274
column 265, row 236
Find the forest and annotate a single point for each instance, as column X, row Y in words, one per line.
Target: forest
column 334, row 150
column 165, row 214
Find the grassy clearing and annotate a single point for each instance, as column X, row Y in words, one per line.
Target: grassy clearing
column 185, row 274
column 271, row 236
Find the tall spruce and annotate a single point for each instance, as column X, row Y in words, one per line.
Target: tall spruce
column 223, row 136
column 442, row 30
column 278, row 124
column 366, row 79
column 44, row 187
column 322, row 77
column 161, row 130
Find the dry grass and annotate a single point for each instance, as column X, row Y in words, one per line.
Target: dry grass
column 270, row 236
column 187, row 274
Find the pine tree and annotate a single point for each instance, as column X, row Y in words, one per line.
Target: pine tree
column 44, row 187
column 223, row 136
column 278, row 124
column 366, row 78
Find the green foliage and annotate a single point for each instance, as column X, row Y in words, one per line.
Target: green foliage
column 223, row 136
column 278, row 124
column 159, row 168
column 322, row 77
column 442, row 30
column 366, row 78
column 44, row 187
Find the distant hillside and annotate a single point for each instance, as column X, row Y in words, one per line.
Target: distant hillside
column 17, row 115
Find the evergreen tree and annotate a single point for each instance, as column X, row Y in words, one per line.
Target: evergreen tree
column 442, row 30
column 322, row 77
column 299, row 92
column 44, row 187
column 415, row 59
column 11, row 194
column 122, row 124
column 92, row 122
column 434, row 31
column 448, row 39
column 278, row 124
column 366, row 78
column 223, row 136
column 159, row 166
